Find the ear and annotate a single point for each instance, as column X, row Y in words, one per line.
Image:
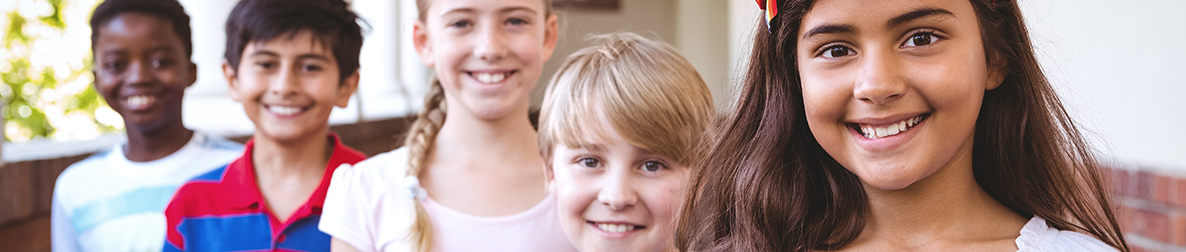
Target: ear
column 228, row 72
column 551, row 35
column 420, row 41
column 192, row 76
column 550, row 183
column 997, row 69
column 346, row 89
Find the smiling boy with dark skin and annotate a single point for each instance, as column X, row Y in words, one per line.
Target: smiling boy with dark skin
column 115, row 200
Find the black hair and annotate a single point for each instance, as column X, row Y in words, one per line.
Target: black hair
column 170, row 10
column 331, row 22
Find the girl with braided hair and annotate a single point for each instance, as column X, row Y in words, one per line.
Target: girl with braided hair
column 470, row 177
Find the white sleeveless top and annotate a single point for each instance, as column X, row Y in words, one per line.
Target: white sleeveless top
column 1037, row 236
column 367, row 206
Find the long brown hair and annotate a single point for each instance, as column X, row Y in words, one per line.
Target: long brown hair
column 422, row 136
column 767, row 185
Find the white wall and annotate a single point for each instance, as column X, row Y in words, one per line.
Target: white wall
column 1118, row 67
column 654, row 19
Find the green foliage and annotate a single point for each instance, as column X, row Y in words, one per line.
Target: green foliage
column 28, row 92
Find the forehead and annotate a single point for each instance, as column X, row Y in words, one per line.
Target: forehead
column 137, row 29
column 877, row 14
column 296, row 43
column 442, row 7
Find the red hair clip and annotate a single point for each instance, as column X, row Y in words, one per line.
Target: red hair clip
column 771, row 9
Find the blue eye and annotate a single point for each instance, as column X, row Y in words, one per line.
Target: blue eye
column 589, row 162
column 461, row 24
column 653, row 166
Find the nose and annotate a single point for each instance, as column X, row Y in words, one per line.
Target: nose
column 140, row 74
column 880, row 81
column 491, row 42
column 286, row 82
column 618, row 192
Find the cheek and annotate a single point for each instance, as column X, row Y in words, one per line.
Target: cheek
column 573, row 191
column 824, row 100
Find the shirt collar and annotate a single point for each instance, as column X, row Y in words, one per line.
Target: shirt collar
column 241, row 174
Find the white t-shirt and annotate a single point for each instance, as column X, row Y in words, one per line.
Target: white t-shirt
column 109, row 203
column 367, row 206
column 1036, row 236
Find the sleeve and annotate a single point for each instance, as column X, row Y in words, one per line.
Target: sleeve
column 174, row 241
column 63, row 237
column 346, row 214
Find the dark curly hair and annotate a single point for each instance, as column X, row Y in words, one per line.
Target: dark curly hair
column 170, row 10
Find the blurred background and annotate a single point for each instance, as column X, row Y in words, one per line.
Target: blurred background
column 1118, row 66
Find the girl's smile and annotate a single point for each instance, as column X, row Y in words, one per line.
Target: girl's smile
column 884, row 134
column 892, row 89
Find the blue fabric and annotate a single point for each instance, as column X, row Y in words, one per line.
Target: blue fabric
column 304, row 235
column 139, row 201
column 226, row 233
column 214, row 176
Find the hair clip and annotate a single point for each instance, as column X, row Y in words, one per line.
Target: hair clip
column 414, row 190
column 771, row 9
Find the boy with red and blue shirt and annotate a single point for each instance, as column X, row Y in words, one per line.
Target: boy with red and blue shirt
column 289, row 62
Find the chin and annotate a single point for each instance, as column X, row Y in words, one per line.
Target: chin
column 885, row 178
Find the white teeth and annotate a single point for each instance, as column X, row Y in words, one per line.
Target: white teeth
column 140, row 101
column 890, row 130
column 490, row 77
column 284, row 110
column 615, row 228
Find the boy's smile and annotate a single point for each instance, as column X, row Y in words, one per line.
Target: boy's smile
column 142, row 79
column 614, row 196
column 289, row 85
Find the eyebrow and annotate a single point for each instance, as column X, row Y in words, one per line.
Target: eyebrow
column 900, row 19
column 299, row 57
column 503, row 10
column 917, row 14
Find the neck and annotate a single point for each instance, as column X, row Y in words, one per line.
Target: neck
column 947, row 206
column 147, row 145
column 509, row 141
column 305, row 156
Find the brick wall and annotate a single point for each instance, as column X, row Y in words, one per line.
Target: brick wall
column 1151, row 208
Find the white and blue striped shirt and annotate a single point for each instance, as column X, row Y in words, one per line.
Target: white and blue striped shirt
column 109, row 203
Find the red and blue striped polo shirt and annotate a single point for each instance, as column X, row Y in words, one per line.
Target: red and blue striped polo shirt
column 223, row 210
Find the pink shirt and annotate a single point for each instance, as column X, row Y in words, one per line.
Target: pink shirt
column 368, row 207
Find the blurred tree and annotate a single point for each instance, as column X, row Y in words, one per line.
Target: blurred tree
column 34, row 93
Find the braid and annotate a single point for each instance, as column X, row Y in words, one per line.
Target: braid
column 421, row 138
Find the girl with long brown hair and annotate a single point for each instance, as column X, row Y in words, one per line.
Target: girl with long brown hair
column 897, row 125
column 468, row 179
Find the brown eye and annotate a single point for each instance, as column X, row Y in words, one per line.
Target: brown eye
column 921, row 39
column 836, row 52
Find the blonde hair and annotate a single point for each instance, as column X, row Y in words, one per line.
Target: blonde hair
column 421, row 138
column 645, row 90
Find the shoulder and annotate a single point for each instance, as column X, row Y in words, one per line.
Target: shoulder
column 213, row 142
column 87, row 169
column 382, row 168
column 1037, row 236
column 201, row 183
